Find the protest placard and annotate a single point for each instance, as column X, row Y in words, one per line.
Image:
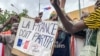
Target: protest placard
column 35, row 38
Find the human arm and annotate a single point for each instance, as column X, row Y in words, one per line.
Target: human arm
column 38, row 19
column 71, row 28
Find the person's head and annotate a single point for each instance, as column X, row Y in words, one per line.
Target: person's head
column 14, row 28
column 15, row 19
column 53, row 16
column 14, row 22
column 97, row 4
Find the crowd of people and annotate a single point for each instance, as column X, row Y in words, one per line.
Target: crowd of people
column 68, row 29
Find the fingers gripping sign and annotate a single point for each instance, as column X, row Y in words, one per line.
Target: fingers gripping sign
column 37, row 19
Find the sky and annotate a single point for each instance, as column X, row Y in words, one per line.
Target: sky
column 33, row 6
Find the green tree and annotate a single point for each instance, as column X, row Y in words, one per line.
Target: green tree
column 24, row 13
column 4, row 16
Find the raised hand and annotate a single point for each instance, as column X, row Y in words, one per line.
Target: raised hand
column 55, row 2
column 38, row 19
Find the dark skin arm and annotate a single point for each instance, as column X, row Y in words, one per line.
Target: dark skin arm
column 68, row 26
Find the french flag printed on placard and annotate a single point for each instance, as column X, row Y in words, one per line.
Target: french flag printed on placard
column 26, row 44
column 19, row 43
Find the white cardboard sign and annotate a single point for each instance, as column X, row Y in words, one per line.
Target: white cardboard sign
column 35, row 39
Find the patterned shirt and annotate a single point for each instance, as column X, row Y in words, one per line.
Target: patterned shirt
column 93, row 20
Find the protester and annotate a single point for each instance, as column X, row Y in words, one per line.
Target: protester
column 8, row 40
column 82, row 24
column 77, row 39
column 63, row 38
column 91, row 22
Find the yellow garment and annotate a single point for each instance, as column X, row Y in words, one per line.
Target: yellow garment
column 93, row 20
column 53, row 13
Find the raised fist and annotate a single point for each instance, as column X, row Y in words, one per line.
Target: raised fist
column 55, row 2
